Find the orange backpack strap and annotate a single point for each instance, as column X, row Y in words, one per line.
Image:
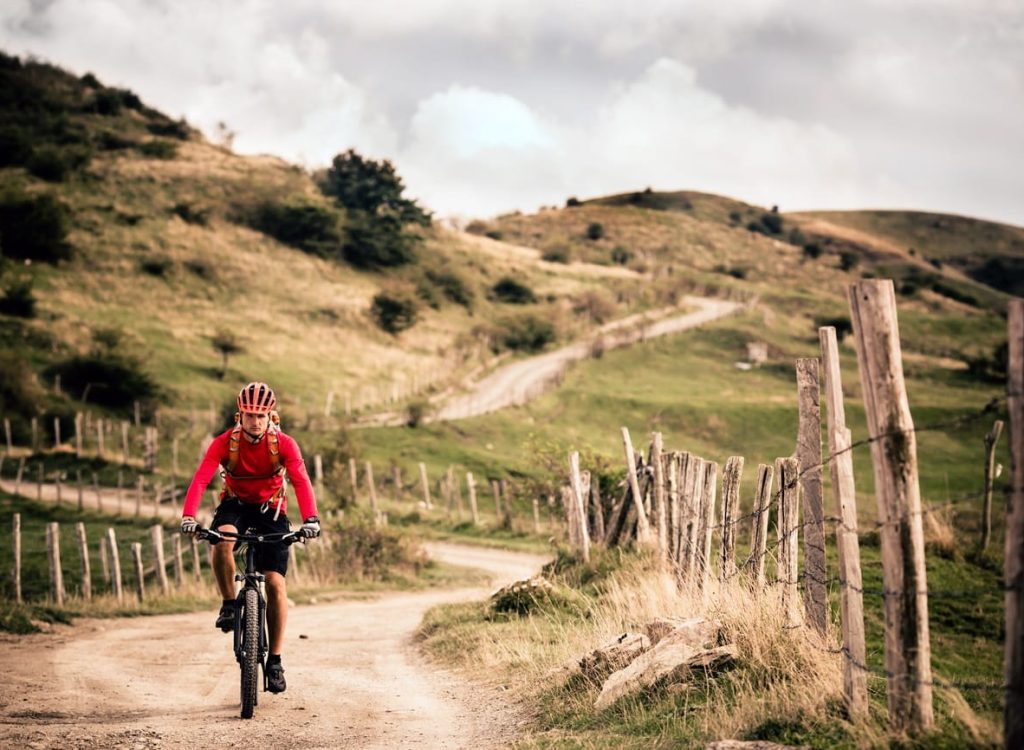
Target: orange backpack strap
column 233, row 446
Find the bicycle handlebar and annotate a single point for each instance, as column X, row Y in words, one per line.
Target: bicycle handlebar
column 289, row 537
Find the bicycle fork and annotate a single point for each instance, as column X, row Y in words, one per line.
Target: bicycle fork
column 263, row 646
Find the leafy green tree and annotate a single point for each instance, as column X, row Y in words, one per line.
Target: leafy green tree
column 374, row 187
column 226, row 343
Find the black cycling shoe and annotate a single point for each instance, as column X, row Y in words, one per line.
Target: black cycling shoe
column 226, row 618
column 275, row 677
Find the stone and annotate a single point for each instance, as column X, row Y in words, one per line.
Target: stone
column 614, row 655
column 660, row 627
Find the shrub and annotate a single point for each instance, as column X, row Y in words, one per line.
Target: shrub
column 415, row 412
column 15, row 147
column 372, row 187
column 513, row 292
column 18, row 300
column 772, row 222
column 170, row 129
column 557, row 253
column 308, row 227
column 225, row 343
column 524, row 333
column 34, row 228
column 106, row 102
column 735, row 217
column 192, row 215
column 595, row 231
column 455, row 288
column 54, row 164
column 596, row 305
column 951, row 292
column 737, row 272
column 394, row 312
column 20, row 393
column 812, row 250
column 156, row 266
column 572, row 202
column 427, row 292
column 495, row 234
column 842, row 325
column 107, row 380
column 110, row 141
column 848, row 260
column 201, row 268
column 91, row 81
column 158, row 149
column 621, row 255
column 377, row 242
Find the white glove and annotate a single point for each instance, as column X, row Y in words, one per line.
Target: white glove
column 189, row 526
column 311, row 528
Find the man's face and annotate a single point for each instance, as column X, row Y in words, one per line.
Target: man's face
column 255, row 424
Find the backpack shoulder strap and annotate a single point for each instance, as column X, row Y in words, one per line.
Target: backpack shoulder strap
column 233, row 446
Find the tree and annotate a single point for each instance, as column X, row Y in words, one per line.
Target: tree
column 359, row 184
column 227, row 344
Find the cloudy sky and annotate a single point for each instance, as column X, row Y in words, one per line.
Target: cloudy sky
column 486, row 107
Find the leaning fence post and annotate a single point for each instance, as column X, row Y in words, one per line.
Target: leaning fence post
column 17, row 557
column 156, row 532
column 140, row 583
column 83, row 551
column 851, row 597
column 660, row 515
column 353, row 478
column 643, row 528
column 894, row 456
column 371, row 487
column 991, row 438
column 1013, row 573
column 808, row 455
column 53, row 556
column 115, row 565
column 759, row 531
column 105, row 559
column 579, row 505
column 788, row 530
column 730, row 506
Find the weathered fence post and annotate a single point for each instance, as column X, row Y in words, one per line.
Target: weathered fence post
column 78, row 484
column 851, row 597
column 579, row 505
column 99, row 438
column 115, row 565
column 17, row 557
column 759, row 530
column 730, row 507
column 124, row 442
column 894, row 455
column 318, row 474
column 788, row 529
column 156, row 532
column 471, row 486
column 105, row 560
column 78, row 434
column 83, row 551
column 536, row 516
column 53, row 556
column 371, row 487
column 808, row 456
column 179, row 566
column 694, row 542
column 426, row 486
column 7, row 434
column 991, row 438
column 597, row 507
column 673, row 469
column 396, row 481
column 643, row 528
column 707, row 520
column 56, row 433
column 19, row 475
column 353, row 478
column 1013, row 573
column 197, row 571
column 660, row 516
column 140, row 582
column 496, row 492
column 138, row 497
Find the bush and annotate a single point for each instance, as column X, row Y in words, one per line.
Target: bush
column 524, row 333
column 621, row 255
column 842, row 325
column 394, row 313
column 15, row 147
column 54, row 164
column 812, row 250
column 18, row 300
column 107, row 380
column 848, row 260
column 377, row 242
column 495, row 234
column 192, row 215
column 20, row 392
column 110, row 141
column 455, row 288
column 170, row 129
column 556, row 254
column 415, row 412
column 512, row 292
column 595, row 231
column 308, row 227
column 34, row 228
column 572, row 202
column 158, row 149
column 201, row 268
column 951, row 292
column 769, row 224
column 156, row 266
column 372, row 187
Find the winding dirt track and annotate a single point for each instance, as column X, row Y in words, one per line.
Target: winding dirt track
column 355, row 681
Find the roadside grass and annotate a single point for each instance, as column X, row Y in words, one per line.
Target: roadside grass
column 785, row 685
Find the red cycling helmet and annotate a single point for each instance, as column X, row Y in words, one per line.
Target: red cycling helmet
column 257, row 398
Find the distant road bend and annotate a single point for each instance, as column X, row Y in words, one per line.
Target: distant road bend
column 518, row 382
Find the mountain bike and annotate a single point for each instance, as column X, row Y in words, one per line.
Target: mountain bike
column 250, row 639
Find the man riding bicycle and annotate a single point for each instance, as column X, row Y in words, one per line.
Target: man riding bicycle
column 254, row 455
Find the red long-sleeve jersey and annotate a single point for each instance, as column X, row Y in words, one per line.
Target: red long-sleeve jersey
column 250, row 481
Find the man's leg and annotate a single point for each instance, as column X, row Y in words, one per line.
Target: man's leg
column 224, row 564
column 277, row 611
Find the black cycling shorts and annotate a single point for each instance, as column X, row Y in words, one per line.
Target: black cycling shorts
column 272, row 556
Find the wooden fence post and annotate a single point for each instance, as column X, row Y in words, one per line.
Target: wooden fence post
column 115, row 565
column 643, row 527
column 579, row 505
column 991, row 438
column 353, row 478
column 124, row 442
column 694, row 543
column 7, row 434
column 808, row 456
column 59, row 485
column 894, row 456
column 35, row 434
column 83, row 551
column 96, row 491
column 1013, row 573
column 851, row 597
column 396, row 481
column 78, row 484
column 138, row 497
column 19, row 475
column 179, row 567
column 536, row 516
column 318, row 474
column 56, row 433
column 78, row 434
column 197, row 571
column 496, row 492
column 426, row 486
column 707, row 521
column 673, row 469
column 730, row 509
column 788, row 530
column 759, row 530
column 156, row 533
column 99, row 438
column 597, row 507
column 105, row 559
column 53, row 556
column 471, row 486
column 17, row 557
column 140, row 582
column 659, row 510
column 372, row 488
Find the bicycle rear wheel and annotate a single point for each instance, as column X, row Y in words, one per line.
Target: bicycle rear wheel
column 250, row 662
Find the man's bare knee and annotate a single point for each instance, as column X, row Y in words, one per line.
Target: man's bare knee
column 275, row 584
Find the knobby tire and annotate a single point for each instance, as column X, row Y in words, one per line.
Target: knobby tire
column 250, row 652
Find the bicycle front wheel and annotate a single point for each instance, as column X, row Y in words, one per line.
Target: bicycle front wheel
column 250, row 662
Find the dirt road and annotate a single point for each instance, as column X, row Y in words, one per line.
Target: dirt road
column 355, row 680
